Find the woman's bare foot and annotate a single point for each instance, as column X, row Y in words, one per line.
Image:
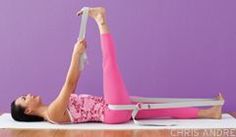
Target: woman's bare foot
column 97, row 13
column 214, row 112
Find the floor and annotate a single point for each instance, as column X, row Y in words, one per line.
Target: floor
column 113, row 133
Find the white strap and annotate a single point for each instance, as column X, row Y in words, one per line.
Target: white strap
column 168, row 102
column 168, row 105
column 146, row 99
column 82, row 33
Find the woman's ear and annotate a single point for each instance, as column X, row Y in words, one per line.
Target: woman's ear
column 28, row 111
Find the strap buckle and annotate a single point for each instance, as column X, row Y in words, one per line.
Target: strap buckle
column 139, row 106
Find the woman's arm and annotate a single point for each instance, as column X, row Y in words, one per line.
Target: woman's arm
column 59, row 105
column 74, row 72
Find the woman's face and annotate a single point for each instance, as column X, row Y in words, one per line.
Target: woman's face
column 28, row 101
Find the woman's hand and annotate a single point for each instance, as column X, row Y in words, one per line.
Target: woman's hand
column 80, row 46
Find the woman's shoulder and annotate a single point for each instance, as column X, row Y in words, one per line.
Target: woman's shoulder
column 58, row 119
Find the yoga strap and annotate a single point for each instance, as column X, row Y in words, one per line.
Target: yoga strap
column 149, row 103
column 162, row 102
column 83, row 24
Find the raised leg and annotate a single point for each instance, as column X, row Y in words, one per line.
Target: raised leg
column 114, row 88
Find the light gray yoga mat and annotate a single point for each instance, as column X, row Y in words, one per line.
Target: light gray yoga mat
column 227, row 121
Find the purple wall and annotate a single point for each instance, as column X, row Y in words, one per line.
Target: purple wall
column 164, row 48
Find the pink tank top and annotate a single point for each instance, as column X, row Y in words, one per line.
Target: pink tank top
column 84, row 107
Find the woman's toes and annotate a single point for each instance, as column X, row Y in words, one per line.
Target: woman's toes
column 220, row 96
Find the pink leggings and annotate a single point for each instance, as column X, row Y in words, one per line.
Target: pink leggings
column 115, row 91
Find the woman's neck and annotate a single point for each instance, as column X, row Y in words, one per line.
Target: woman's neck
column 42, row 111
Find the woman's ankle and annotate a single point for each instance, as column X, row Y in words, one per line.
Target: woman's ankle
column 100, row 20
column 213, row 113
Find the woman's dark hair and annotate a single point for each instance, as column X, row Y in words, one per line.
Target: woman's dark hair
column 18, row 114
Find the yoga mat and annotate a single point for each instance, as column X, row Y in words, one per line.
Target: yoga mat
column 227, row 121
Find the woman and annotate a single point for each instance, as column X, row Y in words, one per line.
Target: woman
column 69, row 107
